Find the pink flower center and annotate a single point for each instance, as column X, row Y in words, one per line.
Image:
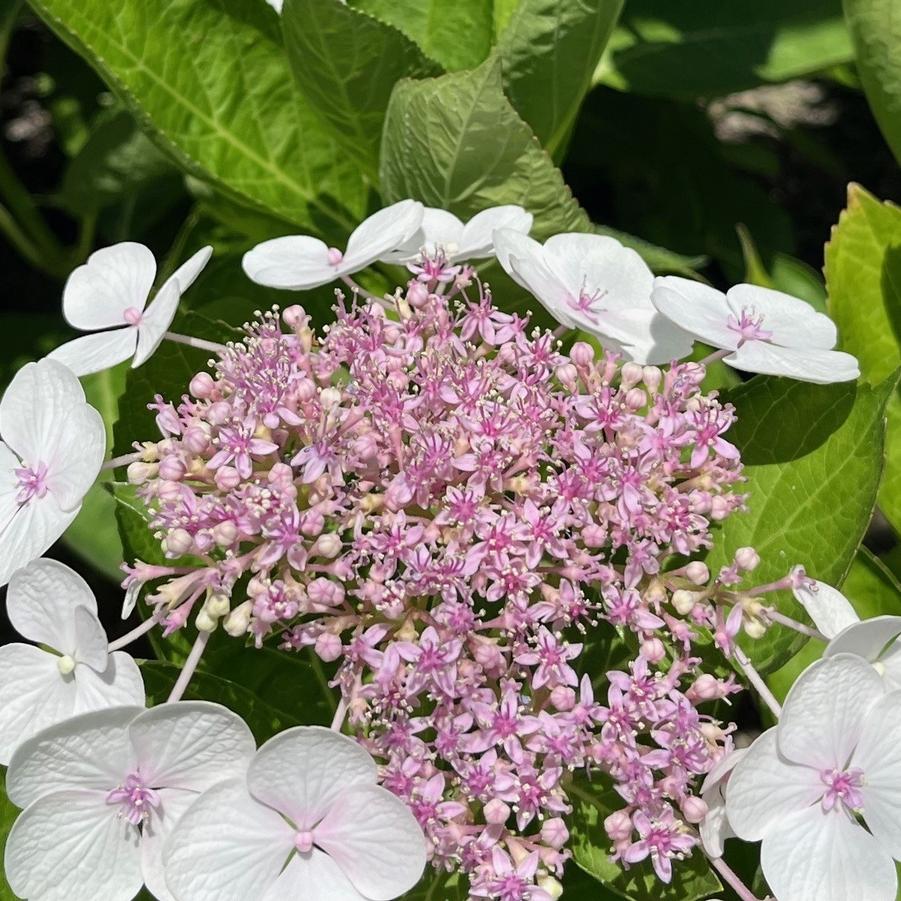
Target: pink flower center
column 334, row 256
column 136, row 800
column 587, row 302
column 842, row 787
column 303, row 841
column 133, row 316
column 749, row 326
column 32, row 482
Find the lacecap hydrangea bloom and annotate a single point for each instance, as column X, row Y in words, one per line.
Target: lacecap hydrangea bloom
column 437, row 496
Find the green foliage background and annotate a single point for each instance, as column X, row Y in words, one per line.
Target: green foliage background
column 675, row 126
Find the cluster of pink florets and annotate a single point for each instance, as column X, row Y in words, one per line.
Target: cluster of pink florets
column 457, row 512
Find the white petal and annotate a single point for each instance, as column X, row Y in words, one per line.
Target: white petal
column 793, row 322
column 9, row 485
column 699, row 309
column 381, row 233
column 764, row 788
column 827, row 857
column 878, row 754
column 91, row 647
column 156, row 321
column 375, row 840
column 173, row 804
column 313, row 877
column 72, row 846
column 38, row 399
column 113, row 280
column 476, row 241
column 829, row 609
column 191, row 745
column 226, row 847
column 295, row 262
column 94, row 353
column 34, row 694
column 41, row 603
column 890, row 666
column 75, row 461
column 302, row 770
column 33, row 528
column 187, row 273
column 822, row 367
column 866, row 638
column 87, row 751
column 715, row 827
column 646, row 335
column 509, row 245
column 438, row 228
column 120, row 684
column 825, row 711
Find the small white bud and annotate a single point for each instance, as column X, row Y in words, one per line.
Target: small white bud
column 237, row 622
column 66, row 664
column 684, row 601
column 551, row 885
column 205, row 622
column 747, row 558
column 754, row 628
column 217, row 605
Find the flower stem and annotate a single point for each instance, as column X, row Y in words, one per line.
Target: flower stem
column 355, row 286
column 340, row 713
column 124, row 460
column 560, row 331
column 196, row 342
column 757, row 681
column 715, row 357
column 190, row 666
column 129, row 637
column 732, row 879
column 790, row 623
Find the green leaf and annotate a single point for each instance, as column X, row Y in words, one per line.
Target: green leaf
column 813, row 459
column 346, row 64
column 695, row 49
column 439, row 886
column 117, row 161
column 592, row 802
column 872, row 590
column 456, row 142
column 875, row 27
column 863, row 277
column 8, row 814
column 549, row 51
column 458, row 34
column 211, row 84
column 264, row 719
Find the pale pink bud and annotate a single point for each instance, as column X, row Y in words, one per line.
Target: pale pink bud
column 652, row 650
column 328, row 545
column 172, row 468
column 227, row 478
column 202, row 385
column 554, row 832
column 196, row 440
column 328, row 647
column 219, row 413
column 618, row 825
column 568, row 375
column 496, row 812
column 694, row 809
column 306, row 390
column 581, row 353
column 705, row 688
column 636, row 398
column 747, row 558
column 652, row 377
column 417, row 294
column 719, row 508
column 138, row 472
column 295, row 316
column 178, row 542
column 563, row 697
column 225, row 533
column 697, row 572
column 325, row 592
column 631, row 374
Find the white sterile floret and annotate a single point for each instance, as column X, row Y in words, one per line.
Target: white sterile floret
column 302, row 262
column 714, row 828
column 308, row 821
column 877, row 640
column 52, row 448
column 593, row 283
column 108, row 296
column 443, row 232
column 822, row 789
column 51, row 605
column 765, row 330
column 102, row 792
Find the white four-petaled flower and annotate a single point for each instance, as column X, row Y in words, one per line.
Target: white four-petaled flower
column 108, row 296
column 807, row 786
column 765, row 330
column 877, row 639
column 443, row 232
column 51, row 451
column 593, row 283
column 51, row 605
column 302, row 262
column 103, row 790
column 308, row 821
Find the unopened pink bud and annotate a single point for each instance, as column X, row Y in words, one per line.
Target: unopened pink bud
column 694, row 809
column 697, row 573
column 496, row 812
column 563, row 697
column 618, row 825
column 417, row 294
column 652, row 650
column 554, row 832
column 172, row 468
column 581, row 353
column 747, row 558
column 178, row 542
column 227, row 478
column 202, row 385
column 325, row 592
column 295, row 316
column 328, row 647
